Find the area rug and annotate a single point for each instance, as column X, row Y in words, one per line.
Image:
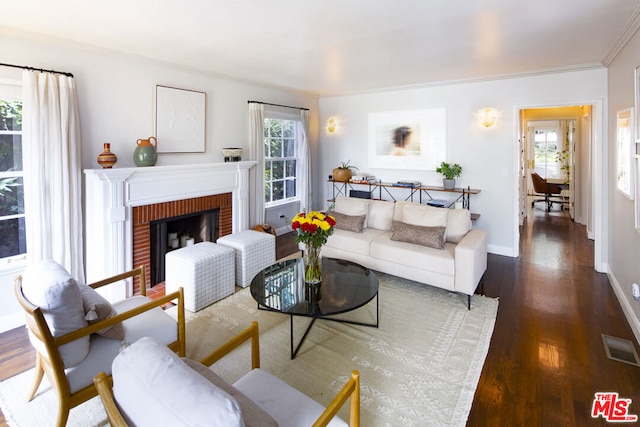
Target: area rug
column 419, row 368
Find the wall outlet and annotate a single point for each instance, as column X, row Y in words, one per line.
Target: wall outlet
column 635, row 291
column 280, row 214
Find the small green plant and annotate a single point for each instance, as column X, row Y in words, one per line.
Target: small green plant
column 346, row 165
column 449, row 171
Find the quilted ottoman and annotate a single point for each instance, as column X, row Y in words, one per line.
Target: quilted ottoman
column 205, row 270
column 254, row 250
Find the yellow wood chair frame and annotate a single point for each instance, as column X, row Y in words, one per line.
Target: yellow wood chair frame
column 51, row 363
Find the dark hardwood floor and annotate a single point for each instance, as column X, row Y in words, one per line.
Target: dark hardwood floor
column 546, row 358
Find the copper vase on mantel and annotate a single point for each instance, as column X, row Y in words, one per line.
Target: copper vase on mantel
column 107, row 159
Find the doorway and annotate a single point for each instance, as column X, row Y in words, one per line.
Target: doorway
column 556, row 144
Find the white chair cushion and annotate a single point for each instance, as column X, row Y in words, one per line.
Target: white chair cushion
column 288, row 406
column 154, row 323
column 153, row 387
column 49, row 286
column 352, row 206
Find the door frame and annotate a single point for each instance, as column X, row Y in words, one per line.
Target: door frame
column 599, row 196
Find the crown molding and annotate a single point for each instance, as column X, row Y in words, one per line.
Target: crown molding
column 623, row 38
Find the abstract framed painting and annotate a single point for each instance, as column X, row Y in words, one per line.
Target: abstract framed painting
column 180, row 120
column 412, row 139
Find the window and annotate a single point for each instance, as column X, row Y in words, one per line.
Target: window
column 281, row 162
column 12, row 223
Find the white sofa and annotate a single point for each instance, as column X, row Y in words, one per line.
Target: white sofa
column 458, row 266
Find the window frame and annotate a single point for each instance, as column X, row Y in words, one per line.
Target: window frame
column 297, row 132
column 11, row 91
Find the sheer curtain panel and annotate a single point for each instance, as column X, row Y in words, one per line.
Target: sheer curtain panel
column 256, row 174
column 53, row 200
column 305, row 157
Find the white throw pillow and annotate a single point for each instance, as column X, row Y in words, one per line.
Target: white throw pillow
column 352, row 206
column 97, row 308
column 458, row 224
column 153, row 387
column 380, row 215
column 49, row 286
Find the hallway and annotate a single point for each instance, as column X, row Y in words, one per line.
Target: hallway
column 546, row 358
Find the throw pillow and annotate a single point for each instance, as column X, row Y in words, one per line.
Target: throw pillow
column 97, row 308
column 352, row 206
column 153, row 386
column 49, row 286
column 432, row 237
column 348, row 222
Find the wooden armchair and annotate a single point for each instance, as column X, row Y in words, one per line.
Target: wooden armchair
column 72, row 380
column 278, row 403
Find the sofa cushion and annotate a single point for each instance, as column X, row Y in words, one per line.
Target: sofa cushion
column 458, row 224
column 358, row 243
column 349, row 222
column 426, row 216
column 402, row 253
column 49, row 286
column 153, row 386
column 432, row 237
column 97, row 308
column 352, row 206
column 380, row 215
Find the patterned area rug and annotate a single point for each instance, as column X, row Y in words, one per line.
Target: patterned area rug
column 419, row 368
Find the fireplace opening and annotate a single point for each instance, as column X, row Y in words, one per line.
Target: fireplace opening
column 179, row 231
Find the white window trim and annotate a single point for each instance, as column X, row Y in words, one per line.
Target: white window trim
column 281, row 113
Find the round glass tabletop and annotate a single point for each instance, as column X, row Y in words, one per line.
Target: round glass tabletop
column 345, row 286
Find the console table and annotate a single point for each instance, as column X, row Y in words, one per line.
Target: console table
column 463, row 194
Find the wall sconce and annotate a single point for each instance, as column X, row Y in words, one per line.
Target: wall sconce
column 332, row 126
column 488, row 117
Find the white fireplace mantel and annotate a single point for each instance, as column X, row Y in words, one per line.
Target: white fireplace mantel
column 110, row 195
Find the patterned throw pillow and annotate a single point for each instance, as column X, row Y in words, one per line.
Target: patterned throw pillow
column 432, row 237
column 348, row 222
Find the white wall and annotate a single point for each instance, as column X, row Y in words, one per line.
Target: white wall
column 624, row 240
column 488, row 156
column 116, row 101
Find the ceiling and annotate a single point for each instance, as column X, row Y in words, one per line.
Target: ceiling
column 331, row 47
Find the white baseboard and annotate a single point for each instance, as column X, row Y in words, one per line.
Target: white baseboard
column 500, row 250
column 12, row 321
column 633, row 320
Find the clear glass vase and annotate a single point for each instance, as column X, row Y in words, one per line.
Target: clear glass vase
column 312, row 264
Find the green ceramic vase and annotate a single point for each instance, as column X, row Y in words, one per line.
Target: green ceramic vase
column 145, row 153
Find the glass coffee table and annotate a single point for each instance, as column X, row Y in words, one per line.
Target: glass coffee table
column 345, row 287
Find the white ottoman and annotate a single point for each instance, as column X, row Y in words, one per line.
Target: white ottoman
column 255, row 251
column 206, row 271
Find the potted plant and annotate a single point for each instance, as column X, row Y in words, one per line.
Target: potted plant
column 450, row 173
column 343, row 172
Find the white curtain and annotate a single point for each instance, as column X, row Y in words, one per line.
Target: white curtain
column 256, row 174
column 306, row 199
column 53, row 200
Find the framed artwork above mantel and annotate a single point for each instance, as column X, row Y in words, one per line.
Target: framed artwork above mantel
column 180, row 120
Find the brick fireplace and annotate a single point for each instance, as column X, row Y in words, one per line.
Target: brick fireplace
column 144, row 215
column 120, row 203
